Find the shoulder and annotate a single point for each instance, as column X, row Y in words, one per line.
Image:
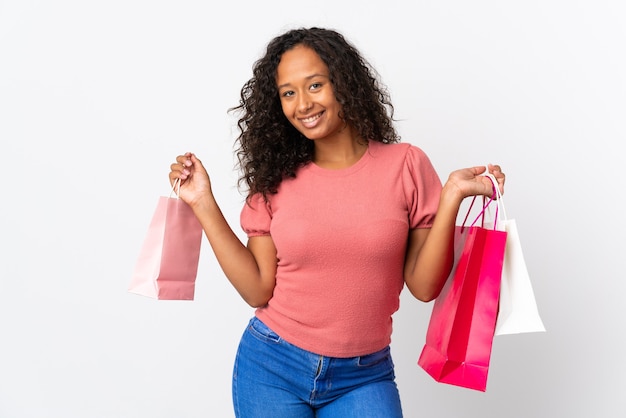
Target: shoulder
column 408, row 158
column 256, row 215
column 397, row 150
column 257, row 203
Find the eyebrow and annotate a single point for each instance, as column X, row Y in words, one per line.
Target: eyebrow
column 307, row 78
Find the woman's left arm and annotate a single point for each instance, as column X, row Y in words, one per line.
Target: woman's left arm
column 430, row 251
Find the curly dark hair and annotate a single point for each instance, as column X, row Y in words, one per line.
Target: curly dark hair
column 269, row 147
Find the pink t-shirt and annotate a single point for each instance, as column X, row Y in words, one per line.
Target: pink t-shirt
column 341, row 237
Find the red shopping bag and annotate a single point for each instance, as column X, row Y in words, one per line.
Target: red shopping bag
column 168, row 261
column 461, row 328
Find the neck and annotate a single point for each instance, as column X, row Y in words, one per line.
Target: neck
column 341, row 153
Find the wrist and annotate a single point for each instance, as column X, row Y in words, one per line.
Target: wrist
column 451, row 194
column 204, row 203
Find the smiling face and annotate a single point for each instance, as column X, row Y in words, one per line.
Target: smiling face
column 306, row 94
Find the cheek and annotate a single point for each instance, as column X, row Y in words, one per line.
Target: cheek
column 331, row 104
column 287, row 108
column 288, row 111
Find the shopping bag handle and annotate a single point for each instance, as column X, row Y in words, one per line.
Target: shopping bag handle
column 176, row 188
column 497, row 196
column 480, row 215
column 499, row 199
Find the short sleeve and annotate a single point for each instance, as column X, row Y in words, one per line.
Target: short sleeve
column 256, row 216
column 422, row 188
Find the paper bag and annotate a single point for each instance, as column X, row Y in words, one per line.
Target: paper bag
column 460, row 333
column 518, row 311
column 168, row 261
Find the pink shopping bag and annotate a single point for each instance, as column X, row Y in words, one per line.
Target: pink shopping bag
column 168, row 261
column 460, row 333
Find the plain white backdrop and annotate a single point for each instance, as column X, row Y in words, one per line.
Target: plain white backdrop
column 97, row 98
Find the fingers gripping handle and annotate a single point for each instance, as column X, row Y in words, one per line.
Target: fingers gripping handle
column 497, row 196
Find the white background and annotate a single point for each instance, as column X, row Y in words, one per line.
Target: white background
column 98, row 97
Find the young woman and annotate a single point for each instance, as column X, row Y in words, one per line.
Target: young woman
column 340, row 216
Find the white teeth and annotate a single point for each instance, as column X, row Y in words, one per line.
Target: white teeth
column 311, row 119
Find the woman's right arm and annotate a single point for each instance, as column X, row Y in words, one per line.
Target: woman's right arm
column 251, row 269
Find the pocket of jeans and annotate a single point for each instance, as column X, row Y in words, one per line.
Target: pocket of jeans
column 373, row 359
column 262, row 332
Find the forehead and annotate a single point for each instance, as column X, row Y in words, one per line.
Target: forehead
column 299, row 63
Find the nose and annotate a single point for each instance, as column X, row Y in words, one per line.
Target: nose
column 305, row 104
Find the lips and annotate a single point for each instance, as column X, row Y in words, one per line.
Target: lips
column 311, row 121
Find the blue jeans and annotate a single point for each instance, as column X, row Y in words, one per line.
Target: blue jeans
column 275, row 379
